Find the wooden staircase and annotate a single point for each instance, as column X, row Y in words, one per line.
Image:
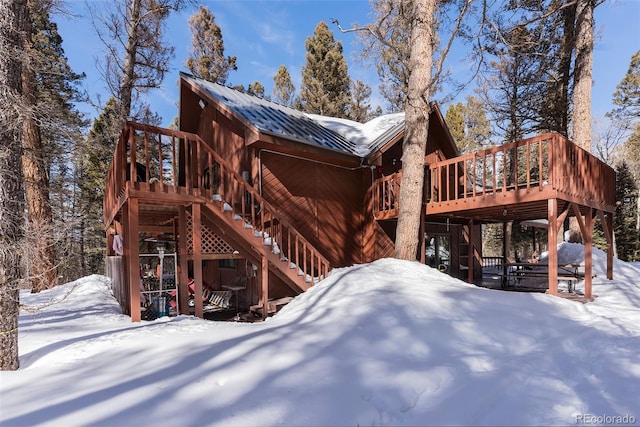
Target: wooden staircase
column 180, row 166
column 250, row 224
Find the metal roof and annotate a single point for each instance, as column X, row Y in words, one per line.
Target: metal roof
column 281, row 121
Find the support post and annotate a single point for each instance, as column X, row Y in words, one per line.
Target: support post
column 197, row 258
column 132, row 255
column 552, row 241
column 471, row 253
column 588, row 253
column 183, row 280
column 421, row 247
column 610, row 246
column 264, row 278
column 504, row 254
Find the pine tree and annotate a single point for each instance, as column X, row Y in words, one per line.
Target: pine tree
column 207, row 58
column 583, row 70
column 256, row 89
column 417, row 111
column 386, row 45
column 283, row 88
column 92, row 159
column 404, row 38
column 325, row 78
column 359, row 108
column 13, row 17
column 455, row 122
column 627, row 94
column 625, row 217
column 512, row 84
column 137, row 57
column 469, row 125
column 41, row 258
column 51, row 124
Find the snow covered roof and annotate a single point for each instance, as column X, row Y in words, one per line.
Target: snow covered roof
column 367, row 137
column 269, row 117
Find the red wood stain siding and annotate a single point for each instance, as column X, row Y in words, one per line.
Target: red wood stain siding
column 323, row 202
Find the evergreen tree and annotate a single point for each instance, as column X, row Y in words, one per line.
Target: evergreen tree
column 92, row 159
column 404, row 38
column 582, row 74
column 13, row 17
column 52, row 125
column 40, row 260
column 455, row 122
column 137, row 57
column 469, row 125
column 417, row 110
column 386, row 44
column 627, row 94
column 325, row 78
column 631, row 150
column 359, row 108
column 512, row 84
column 256, row 89
column 478, row 128
column 534, row 45
column 283, row 88
column 207, row 58
column 625, row 217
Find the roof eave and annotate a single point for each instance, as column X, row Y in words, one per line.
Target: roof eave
column 266, row 140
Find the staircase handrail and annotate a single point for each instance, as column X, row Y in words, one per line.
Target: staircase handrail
column 200, row 160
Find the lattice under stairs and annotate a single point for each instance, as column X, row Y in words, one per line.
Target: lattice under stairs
column 242, row 235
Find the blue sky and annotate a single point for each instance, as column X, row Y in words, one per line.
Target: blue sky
column 266, row 34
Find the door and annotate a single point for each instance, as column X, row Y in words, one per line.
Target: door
column 437, row 251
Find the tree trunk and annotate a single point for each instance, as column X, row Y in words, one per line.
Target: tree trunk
column 42, row 257
column 128, row 72
column 582, row 88
column 13, row 14
column 583, row 74
column 417, row 127
column 566, row 53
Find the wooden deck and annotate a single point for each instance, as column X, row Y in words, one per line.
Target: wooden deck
column 545, row 177
column 513, row 181
column 158, row 175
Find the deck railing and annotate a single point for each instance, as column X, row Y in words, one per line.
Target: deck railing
column 544, row 162
column 386, row 196
column 166, row 159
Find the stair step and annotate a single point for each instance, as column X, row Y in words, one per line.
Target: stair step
column 224, row 208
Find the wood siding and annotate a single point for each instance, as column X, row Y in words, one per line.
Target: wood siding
column 323, row 202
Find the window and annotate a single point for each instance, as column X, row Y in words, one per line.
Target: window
column 227, row 263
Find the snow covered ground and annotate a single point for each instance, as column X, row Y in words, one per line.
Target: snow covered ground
column 387, row 343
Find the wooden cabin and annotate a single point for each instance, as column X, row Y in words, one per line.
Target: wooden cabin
column 261, row 200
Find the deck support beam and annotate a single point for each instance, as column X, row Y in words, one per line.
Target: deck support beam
column 196, row 217
column 504, row 254
column 586, row 228
column 183, row 279
column 132, row 256
column 588, row 254
column 471, row 253
column 607, row 226
column 552, row 242
column 264, row 279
